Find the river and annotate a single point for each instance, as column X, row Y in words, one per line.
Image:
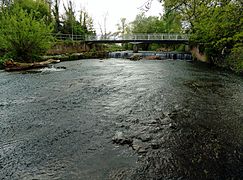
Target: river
column 120, row 119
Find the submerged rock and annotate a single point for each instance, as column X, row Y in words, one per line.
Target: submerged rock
column 139, row 146
column 135, row 57
column 119, row 138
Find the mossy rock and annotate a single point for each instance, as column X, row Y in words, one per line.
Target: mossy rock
column 135, row 57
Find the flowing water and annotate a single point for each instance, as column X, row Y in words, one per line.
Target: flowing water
column 119, row 119
column 161, row 55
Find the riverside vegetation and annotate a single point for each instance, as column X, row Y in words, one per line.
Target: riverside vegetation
column 27, row 26
column 216, row 27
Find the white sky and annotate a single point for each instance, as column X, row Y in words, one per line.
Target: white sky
column 116, row 10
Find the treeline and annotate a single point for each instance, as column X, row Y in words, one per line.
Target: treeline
column 142, row 24
column 27, row 26
column 70, row 21
column 216, row 26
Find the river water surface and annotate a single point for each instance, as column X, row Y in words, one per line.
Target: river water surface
column 119, row 119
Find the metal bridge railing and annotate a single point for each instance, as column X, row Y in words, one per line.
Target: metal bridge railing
column 126, row 37
column 141, row 37
column 69, row 37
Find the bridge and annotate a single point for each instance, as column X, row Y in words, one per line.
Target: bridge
column 165, row 38
column 134, row 39
column 139, row 38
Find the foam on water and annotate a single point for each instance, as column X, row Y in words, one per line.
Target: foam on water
column 51, row 69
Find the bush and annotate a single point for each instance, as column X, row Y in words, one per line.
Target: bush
column 113, row 47
column 235, row 59
column 1, row 63
column 23, row 36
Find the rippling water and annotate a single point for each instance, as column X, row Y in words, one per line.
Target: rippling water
column 181, row 120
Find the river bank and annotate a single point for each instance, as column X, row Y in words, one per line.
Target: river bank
column 10, row 65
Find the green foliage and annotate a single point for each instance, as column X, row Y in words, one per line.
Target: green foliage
column 113, row 48
column 235, row 59
column 172, row 23
column 216, row 25
column 56, row 14
column 2, row 60
column 154, row 47
column 24, row 35
column 122, row 26
column 73, row 26
column 181, row 48
column 169, row 23
column 220, row 29
column 39, row 9
column 151, row 24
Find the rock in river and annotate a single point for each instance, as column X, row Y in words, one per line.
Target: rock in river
column 119, row 138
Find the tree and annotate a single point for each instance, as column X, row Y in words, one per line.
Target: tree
column 103, row 30
column 143, row 24
column 86, row 22
column 219, row 29
column 5, row 3
column 69, row 19
column 39, row 8
column 169, row 23
column 73, row 26
column 216, row 25
column 56, row 14
column 122, row 27
column 24, row 35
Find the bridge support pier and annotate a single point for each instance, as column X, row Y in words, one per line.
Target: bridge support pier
column 135, row 48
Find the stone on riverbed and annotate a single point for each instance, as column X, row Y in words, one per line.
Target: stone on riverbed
column 139, row 146
column 152, row 58
column 119, row 138
column 135, row 57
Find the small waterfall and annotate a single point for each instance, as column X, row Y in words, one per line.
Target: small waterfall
column 162, row 55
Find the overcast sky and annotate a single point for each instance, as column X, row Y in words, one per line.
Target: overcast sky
column 115, row 9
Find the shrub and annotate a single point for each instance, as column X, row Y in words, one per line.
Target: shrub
column 23, row 36
column 235, row 60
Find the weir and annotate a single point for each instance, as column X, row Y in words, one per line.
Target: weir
column 161, row 55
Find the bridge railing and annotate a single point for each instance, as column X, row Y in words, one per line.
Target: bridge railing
column 72, row 37
column 128, row 37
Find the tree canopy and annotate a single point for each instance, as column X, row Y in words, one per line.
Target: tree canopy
column 152, row 24
column 26, row 26
column 216, row 25
column 24, row 34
